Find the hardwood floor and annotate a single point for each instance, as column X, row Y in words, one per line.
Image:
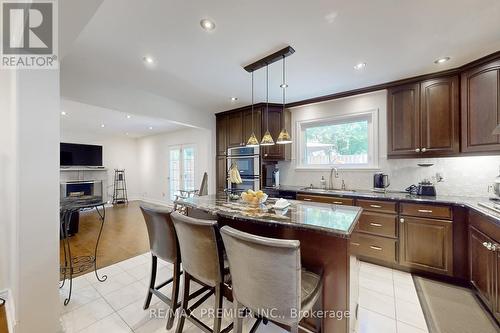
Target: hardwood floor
column 3, row 320
column 124, row 235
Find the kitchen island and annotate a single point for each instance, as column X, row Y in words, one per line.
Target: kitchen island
column 323, row 230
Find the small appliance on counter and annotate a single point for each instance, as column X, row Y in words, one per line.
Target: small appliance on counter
column 424, row 188
column 271, row 176
column 496, row 189
column 380, row 182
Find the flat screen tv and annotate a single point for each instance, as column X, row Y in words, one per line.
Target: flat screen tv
column 73, row 154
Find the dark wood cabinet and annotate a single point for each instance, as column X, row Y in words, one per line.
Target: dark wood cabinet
column 480, row 108
column 275, row 119
column 482, row 266
column 221, row 135
column 235, row 129
column 426, row 244
column 423, row 119
column 403, row 125
column 247, row 124
column 221, row 171
column 439, row 115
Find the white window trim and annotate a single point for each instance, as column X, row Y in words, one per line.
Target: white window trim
column 373, row 139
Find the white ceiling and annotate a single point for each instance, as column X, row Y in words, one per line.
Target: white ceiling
column 84, row 118
column 396, row 39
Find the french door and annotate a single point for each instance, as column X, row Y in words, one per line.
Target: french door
column 181, row 169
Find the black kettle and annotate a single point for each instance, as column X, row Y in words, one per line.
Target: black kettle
column 381, row 181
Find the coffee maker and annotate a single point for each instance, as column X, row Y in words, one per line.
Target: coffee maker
column 380, row 182
column 271, row 176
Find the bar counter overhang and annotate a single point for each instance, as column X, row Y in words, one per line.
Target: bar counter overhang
column 324, row 232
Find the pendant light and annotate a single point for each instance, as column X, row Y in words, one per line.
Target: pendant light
column 284, row 136
column 267, row 139
column 252, row 140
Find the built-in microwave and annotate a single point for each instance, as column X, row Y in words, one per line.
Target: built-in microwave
column 247, row 160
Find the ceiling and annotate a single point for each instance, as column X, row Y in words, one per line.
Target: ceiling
column 203, row 70
column 84, row 118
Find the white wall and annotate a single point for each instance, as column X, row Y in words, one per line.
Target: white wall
column 30, row 196
column 153, row 159
column 464, row 176
column 118, row 152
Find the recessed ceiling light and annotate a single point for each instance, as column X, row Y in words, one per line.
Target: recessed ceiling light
column 441, row 60
column 360, row 66
column 234, row 99
column 102, row 125
column 148, row 60
column 63, row 113
column 150, row 127
column 126, row 133
column 129, row 116
column 207, row 24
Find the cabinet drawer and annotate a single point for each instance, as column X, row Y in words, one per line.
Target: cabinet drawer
column 325, row 199
column 377, row 206
column 433, row 211
column 374, row 247
column 378, row 224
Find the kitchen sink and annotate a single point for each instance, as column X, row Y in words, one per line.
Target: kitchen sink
column 321, row 190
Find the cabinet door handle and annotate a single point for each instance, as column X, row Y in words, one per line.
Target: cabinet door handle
column 376, row 248
column 307, row 199
column 489, row 246
column 265, row 155
column 424, row 150
column 428, row 211
column 417, row 150
column 337, row 202
column 354, row 243
column 375, row 206
column 375, row 224
column 402, row 220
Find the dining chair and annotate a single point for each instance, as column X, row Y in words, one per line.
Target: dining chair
column 267, row 278
column 184, row 194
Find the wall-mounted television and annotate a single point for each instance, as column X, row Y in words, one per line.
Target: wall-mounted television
column 74, row 154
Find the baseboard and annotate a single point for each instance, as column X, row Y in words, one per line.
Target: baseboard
column 157, row 202
column 9, row 308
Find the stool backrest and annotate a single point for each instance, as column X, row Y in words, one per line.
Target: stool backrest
column 265, row 273
column 200, row 246
column 162, row 238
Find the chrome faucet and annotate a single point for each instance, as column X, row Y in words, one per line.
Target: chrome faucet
column 334, row 172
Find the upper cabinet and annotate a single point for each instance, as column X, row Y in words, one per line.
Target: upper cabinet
column 480, row 108
column 233, row 130
column 423, row 119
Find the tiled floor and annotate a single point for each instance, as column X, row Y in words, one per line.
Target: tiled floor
column 388, row 302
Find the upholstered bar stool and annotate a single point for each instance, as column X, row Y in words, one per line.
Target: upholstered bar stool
column 202, row 261
column 267, row 278
column 164, row 245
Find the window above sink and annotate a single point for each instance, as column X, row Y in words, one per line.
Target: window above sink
column 344, row 142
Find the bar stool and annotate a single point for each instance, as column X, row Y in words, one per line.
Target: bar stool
column 267, row 278
column 203, row 262
column 164, row 245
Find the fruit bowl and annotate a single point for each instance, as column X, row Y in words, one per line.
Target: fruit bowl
column 254, row 198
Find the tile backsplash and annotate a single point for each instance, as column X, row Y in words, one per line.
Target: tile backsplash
column 462, row 176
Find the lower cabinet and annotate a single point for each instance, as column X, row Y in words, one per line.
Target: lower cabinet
column 426, row 244
column 379, row 248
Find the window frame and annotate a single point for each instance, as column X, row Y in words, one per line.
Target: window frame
column 373, row 140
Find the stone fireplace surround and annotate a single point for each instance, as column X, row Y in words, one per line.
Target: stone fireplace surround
column 84, row 178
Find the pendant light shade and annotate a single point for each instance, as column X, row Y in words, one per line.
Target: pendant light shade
column 284, row 136
column 267, row 139
column 252, row 141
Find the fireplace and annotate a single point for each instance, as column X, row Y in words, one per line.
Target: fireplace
column 81, row 188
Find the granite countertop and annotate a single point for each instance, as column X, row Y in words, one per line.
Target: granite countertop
column 466, row 202
column 76, row 203
column 333, row 219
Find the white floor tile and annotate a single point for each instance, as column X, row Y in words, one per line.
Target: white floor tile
column 113, row 283
column 135, row 316
column 86, row 315
column 383, row 285
column 109, row 271
column 110, row 324
column 141, row 271
column 402, row 278
column 405, row 328
column 79, row 297
column 380, row 271
column 122, row 297
column 372, row 322
column 377, row 302
column 159, row 326
column 132, row 262
column 406, row 293
column 410, row 313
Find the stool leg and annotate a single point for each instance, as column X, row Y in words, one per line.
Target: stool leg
column 218, row 308
column 294, row 328
column 185, row 300
column 238, row 316
column 152, row 281
column 175, row 295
